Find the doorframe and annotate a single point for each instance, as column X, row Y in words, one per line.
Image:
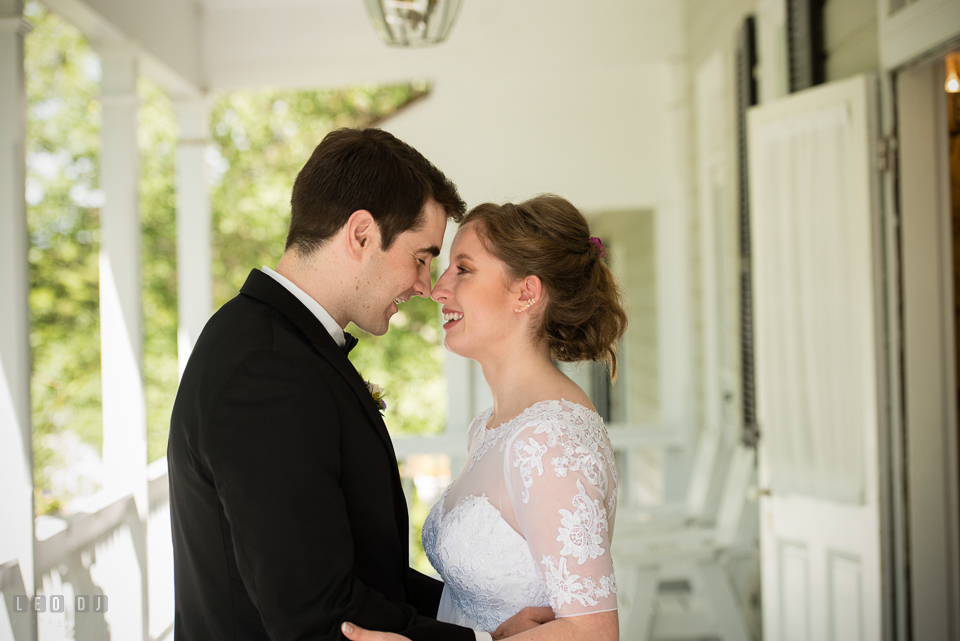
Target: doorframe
column 893, row 542
column 920, row 333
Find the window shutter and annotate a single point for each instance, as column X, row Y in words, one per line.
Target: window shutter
column 805, row 43
column 746, row 97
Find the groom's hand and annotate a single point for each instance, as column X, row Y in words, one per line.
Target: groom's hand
column 523, row 620
column 356, row 633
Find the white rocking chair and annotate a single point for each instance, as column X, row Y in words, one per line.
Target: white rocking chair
column 700, row 503
column 655, row 557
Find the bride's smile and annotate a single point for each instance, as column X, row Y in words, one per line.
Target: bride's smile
column 479, row 301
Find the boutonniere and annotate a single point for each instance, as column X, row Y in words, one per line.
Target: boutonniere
column 377, row 393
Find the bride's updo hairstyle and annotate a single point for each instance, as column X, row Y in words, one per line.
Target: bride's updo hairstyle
column 582, row 316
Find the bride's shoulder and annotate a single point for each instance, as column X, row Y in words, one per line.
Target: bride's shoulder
column 553, row 419
column 569, row 437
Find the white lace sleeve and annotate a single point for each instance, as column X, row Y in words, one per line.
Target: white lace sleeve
column 561, row 479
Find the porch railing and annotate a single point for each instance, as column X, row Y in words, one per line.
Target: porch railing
column 105, row 554
column 106, row 551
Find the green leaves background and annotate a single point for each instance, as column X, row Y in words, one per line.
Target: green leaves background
column 260, row 139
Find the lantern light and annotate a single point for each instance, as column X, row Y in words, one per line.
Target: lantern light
column 413, row 23
column 952, row 84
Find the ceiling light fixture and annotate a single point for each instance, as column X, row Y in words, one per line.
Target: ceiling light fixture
column 413, row 23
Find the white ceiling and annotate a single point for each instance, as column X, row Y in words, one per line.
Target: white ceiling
column 586, row 99
column 275, row 4
column 222, row 44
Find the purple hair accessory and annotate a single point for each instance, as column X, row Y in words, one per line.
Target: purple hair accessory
column 599, row 245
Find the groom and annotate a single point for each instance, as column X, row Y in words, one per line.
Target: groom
column 286, row 505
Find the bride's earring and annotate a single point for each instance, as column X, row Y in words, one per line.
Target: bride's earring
column 525, row 306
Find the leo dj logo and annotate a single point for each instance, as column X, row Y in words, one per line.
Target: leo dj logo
column 55, row 602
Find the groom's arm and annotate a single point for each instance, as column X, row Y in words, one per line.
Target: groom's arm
column 275, row 453
column 425, row 593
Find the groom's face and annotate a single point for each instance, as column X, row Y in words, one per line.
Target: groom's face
column 401, row 272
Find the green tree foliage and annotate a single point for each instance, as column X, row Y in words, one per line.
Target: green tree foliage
column 63, row 124
column 260, row 139
column 157, row 136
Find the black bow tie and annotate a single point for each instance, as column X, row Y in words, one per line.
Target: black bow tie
column 349, row 342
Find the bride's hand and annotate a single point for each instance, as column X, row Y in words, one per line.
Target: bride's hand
column 523, row 620
column 356, row 633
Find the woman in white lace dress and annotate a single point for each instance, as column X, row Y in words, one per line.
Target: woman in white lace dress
column 529, row 520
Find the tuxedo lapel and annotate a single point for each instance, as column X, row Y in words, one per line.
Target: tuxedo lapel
column 339, row 361
column 267, row 290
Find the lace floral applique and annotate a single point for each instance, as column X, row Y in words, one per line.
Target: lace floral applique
column 529, row 457
column 580, row 532
column 485, row 563
column 580, row 436
column 490, row 568
column 566, row 587
column 569, row 438
column 487, row 438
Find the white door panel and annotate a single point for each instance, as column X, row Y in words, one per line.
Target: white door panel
column 816, row 313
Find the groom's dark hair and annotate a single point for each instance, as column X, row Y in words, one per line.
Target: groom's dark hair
column 353, row 169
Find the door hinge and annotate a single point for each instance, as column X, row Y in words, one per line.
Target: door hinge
column 886, row 153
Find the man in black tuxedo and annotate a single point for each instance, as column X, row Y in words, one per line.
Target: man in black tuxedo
column 287, row 510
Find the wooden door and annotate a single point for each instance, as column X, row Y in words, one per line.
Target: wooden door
column 818, row 367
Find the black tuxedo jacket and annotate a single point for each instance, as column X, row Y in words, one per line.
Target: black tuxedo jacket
column 287, row 510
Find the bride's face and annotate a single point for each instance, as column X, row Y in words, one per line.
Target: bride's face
column 476, row 298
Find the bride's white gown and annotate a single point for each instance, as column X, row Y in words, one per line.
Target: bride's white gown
column 529, row 519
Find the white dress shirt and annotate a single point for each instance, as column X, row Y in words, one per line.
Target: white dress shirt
column 334, row 329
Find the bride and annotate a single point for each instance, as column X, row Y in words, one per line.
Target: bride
column 529, row 520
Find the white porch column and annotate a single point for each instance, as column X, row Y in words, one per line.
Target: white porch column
column 16, row 449
column 124, row 413
column 678, row 401
column 194, row 274
column 124, row 405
